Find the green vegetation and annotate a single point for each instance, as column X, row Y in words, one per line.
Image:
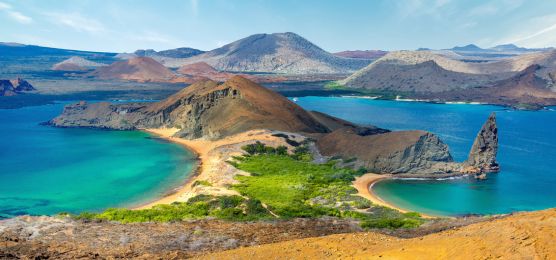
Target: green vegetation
column 281, row 185
column 334, row 85
column 293, row 186
column 234, row 208
column 202, row 182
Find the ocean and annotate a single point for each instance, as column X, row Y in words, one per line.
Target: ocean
column 526, row 154
column 48, row 170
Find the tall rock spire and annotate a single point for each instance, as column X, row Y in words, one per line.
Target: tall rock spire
column 482, row 156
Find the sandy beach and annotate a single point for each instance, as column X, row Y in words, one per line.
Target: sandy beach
column 364, row 184
column 212, row 166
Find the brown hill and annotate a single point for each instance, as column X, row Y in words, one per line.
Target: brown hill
column 526, row 87
column 205, row 109
column 521, row 236
column 211, row 110
column 202, row 70
column 142, row 69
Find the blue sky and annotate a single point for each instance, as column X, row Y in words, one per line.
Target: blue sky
column 127, row 25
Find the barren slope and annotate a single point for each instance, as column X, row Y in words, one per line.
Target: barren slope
column 521, row 236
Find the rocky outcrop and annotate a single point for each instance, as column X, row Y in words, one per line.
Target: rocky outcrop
column 485, row 147
column 14, row 87
column 388, row 152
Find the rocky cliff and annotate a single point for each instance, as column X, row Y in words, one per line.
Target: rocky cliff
column 485, row 147
column 14, row 87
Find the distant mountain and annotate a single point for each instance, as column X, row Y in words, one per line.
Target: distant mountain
column 508, row 47
column 469, row 47
column 76, row 63
column 17, row 49
column 526, row 78
column 276, row 53
column 368, row 54
column 419, row 71
column 172, row 53
column 142, row 69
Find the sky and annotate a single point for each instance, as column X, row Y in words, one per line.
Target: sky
column 128, row 25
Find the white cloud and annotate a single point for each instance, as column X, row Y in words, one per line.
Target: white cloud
column 15, row 15
column 4, row 6
column 20, row 17
column 538, row 32
column 77, row 22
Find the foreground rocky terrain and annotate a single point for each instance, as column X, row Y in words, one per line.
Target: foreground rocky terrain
column 63, row 238
column 519, row 236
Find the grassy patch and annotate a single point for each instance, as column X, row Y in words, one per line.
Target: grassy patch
column 224, row 207
column 202, row 182
column 289, row 185
column 294, row 187
column 334, row 85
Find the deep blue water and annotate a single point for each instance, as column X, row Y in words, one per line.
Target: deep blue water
column 47, row 170
column 527, row 154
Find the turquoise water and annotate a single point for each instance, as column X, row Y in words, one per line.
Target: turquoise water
column 47, row 170
column 527, row 154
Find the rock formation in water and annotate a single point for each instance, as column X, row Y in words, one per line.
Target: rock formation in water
column 14, row 87
column 482, row 156
column 212, row 111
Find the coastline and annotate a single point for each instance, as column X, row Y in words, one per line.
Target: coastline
column 212, row 165
column 186, row 187
column 364, row 185
column 207, row 163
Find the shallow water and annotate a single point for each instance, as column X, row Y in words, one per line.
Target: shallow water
column 47, row 170
column 527, row 154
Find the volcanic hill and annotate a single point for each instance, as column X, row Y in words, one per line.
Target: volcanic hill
column 142, row 69
column 276, row 53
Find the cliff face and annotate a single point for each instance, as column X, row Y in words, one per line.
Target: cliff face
column 485, row 147
column 390, row 152
column 13, row 87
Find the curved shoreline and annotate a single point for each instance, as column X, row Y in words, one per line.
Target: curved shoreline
column 364, row 185
column 175, row 194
